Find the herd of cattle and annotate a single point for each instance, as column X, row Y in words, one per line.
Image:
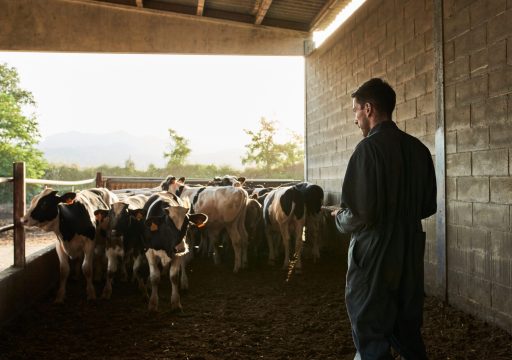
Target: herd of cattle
column 147, row 231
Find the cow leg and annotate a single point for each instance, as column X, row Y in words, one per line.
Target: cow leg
column 137, row 265
column 154, row 276
column 285, row 235
column 63, row 273
column 214, row 239
column 111, row 270
column 184, row 277
column 175, row 286
column 270, row 243
column 236, row 241
column 87, row 268
column 244, row 240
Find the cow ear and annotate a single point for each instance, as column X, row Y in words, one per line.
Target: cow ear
column 241, row 179
column 254, row 196
column 100, row 214
column 182, row 179
column 198, row 219
column 68, row 198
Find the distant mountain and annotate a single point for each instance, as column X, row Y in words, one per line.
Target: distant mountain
column 87, row 150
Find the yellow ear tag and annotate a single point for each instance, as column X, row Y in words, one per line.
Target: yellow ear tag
column 139, row 216
column 153, row 227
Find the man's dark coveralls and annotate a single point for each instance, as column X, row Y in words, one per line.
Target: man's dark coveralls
column 389, row 187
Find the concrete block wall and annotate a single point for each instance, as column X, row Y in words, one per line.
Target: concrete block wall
column 478, row 101
column 393, row 39
column 388, row 39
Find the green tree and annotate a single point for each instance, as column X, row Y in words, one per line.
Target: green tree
column 262, row 150
column 129, row 165
column 179, row 150
column 268, row 155
column 19, row 133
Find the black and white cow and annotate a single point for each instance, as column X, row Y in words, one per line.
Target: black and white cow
column 284, row 217
column 313, row 199
column 167, row 221
column 225, row 207
column 71, row 218
column 124, row 227
column 227, row 180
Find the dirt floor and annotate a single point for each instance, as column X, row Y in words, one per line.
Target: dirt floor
column 255, row 314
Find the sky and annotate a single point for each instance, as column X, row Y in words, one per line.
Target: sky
column 207, row 99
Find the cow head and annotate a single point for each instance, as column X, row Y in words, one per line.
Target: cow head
column 167, row 222
column 44, row 208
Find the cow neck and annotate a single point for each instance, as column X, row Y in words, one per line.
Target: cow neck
column 194, row 200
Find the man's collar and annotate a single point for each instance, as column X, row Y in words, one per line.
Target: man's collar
column 386, row 124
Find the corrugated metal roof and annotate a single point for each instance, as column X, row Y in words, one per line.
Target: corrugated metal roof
column 303, row 15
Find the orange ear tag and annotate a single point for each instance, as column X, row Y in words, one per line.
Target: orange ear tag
column 97, row 217
column 201, row 225
column 70, row 201
column 153, row 227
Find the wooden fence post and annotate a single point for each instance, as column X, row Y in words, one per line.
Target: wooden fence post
column 18, row 206
column 99, row 180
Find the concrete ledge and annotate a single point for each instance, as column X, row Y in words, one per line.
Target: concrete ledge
column 21, row 287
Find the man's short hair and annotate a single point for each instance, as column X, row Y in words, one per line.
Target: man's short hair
column 378, row 93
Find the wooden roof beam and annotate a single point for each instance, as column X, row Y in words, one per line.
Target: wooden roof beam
column 328, row 6
column 200, row 7
column 263, row 6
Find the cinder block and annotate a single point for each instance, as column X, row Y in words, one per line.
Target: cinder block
column 463, row 213
column 482, row 10
column 471, row 41
column 425, row 104
column 502, row 300
column 458, row 164
column 406, row 110
column 500, row 26
column 415, row 87
column 405, row 72
column 457, row 259
column 449, row 97
column 424, row 62
column 386, row 46
column 493, row 111
column 414, row 47
column 471, row 90
column 491, row 216
column 490, row 162
column 479, row 62
column 456, row 25
column 509, row 51
column 500, row 82
column 458, row 118
column 501, row 136
column 480, row 291
column 498, row 55
column 473, row 139
column 430, row 118
column 501, row 190
column 501, row 268
column 416, row 126
column 451, row 188
column 457, row 70
column 473, row 189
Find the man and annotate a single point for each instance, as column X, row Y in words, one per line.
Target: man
column 389, row 187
